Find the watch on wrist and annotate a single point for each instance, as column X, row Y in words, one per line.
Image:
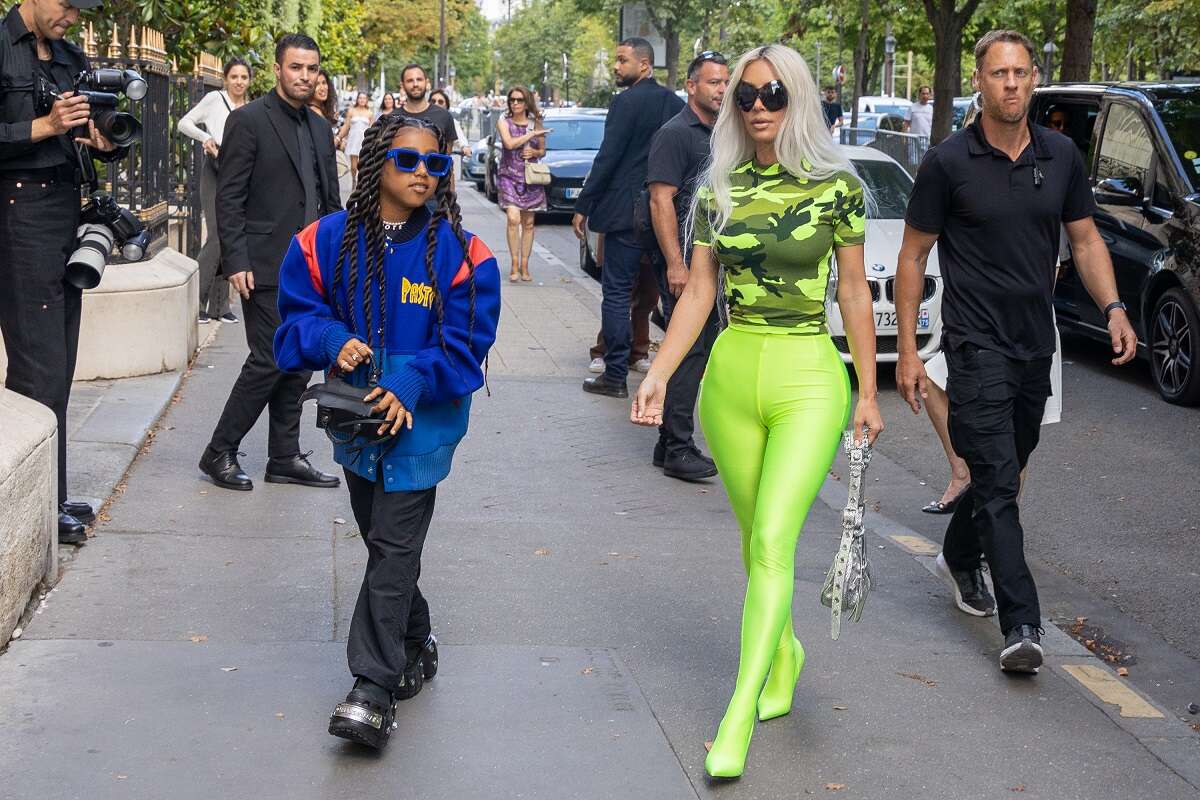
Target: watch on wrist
column 1108, row 309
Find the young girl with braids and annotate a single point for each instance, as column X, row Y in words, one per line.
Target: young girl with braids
column 394, row 297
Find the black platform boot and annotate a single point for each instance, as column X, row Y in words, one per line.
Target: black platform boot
column 420, row 669
column 367, row 715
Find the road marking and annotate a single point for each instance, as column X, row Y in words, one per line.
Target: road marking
column 1110, row 689
column 917, row 545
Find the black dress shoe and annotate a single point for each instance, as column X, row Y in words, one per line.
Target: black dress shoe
column 80, row 511
column 602, row 384
column 70, row 530
column 296, row 469
column 689, row 465
column 225, row 470
column 367, row 715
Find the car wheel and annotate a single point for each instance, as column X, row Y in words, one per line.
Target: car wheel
column 479, row 186
column 1174, row 334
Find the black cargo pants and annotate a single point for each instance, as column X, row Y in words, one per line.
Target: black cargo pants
column 39, row 310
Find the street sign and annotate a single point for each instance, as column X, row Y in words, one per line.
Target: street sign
column 636, row 22
column 839, row 74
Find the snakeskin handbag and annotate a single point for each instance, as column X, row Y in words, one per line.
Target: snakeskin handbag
column 848, row 581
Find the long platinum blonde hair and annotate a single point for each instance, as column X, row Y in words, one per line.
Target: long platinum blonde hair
column 803, row 139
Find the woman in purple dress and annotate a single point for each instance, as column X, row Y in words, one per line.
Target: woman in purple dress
column 523, row 141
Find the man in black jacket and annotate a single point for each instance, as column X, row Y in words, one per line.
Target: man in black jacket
column 40, row 181
column 277, row 174
column 606, row 203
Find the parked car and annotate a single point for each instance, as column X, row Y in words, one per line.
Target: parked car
column 570, row 151
column 1141, row 144
column 868, row 124
column 891, row 186
column 474, row 167
column 961, row 105
column 897, row 106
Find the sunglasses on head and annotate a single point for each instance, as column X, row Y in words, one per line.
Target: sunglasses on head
column 406, row 160
column 772, row 95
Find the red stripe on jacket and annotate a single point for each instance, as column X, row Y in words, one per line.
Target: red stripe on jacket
column 478, row 252
column 308, row 245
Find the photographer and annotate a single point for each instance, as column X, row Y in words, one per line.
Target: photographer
column 41, row 122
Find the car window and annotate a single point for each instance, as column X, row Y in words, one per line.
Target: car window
column 575, row 134
column 1126, row 149
column 889, row 185
column 1181, row 118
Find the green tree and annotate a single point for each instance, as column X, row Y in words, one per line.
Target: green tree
column 340, row 36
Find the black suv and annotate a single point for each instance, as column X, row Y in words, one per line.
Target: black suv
column 1141, row 143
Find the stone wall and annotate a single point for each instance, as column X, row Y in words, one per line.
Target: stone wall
column 140, row 320
column 28, row 491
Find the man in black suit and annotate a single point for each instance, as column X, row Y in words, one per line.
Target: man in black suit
column 277, row 174
column 606, row 203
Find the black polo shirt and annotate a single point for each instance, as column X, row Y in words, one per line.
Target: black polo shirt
column 678, row 152
column 998, row 223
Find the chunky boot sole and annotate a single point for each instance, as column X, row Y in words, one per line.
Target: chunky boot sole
column 361, row 725
column 1024, row 656
column 423, row 669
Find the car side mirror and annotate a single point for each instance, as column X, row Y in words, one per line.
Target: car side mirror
column 1119, row 192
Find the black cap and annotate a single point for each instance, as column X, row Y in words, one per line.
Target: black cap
column 83, row 4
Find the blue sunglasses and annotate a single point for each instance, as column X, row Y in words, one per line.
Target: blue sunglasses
column 406, row 160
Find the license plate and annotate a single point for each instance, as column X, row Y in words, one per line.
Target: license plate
column 571, row 194
column 886, row 320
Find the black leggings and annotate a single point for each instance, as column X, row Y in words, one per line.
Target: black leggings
column 391, row 618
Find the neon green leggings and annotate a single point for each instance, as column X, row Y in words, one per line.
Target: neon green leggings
column 773, row 407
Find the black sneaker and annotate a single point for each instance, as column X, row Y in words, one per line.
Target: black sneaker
column 660, row 454
column 602, row 384
column 971, row 594
column 690, row 465
column 1022, row 650
column 229, row 316
column 367, row 715
column 204, row 318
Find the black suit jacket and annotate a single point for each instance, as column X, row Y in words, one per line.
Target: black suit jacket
column 260, row 197
column 619, row 171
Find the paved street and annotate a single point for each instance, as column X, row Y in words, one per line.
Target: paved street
column 588, row 610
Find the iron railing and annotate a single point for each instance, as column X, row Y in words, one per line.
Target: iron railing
column 159, row 180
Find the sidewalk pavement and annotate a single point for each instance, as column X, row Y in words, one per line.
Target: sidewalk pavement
column 588, row 611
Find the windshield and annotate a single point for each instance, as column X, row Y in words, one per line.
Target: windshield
column 889, row 184
column 1181, row 116
column 885, row 108
column 575, row 134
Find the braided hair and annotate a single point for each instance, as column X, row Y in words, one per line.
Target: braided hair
column 363, row 211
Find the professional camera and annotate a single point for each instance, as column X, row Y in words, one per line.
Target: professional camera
column 102, row 88
column 103, row 223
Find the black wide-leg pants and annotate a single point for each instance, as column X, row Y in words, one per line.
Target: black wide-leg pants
column 996, row 406
column 391, row 618
column 261, row 385
column 39, row 310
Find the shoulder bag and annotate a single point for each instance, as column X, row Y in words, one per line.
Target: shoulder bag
column 848, row 581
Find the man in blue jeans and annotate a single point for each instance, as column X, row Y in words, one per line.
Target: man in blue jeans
column 606, row 202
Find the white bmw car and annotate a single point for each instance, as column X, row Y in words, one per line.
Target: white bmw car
column 891, row 186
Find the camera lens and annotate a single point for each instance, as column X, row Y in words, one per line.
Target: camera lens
column 85, row 267
column 118, row 127
column 135, row 85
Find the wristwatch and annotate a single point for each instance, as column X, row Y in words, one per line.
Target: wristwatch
column 1108, row 309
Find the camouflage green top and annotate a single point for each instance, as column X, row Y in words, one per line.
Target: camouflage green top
column 776, row 246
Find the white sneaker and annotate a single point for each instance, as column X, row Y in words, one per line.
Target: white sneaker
column 597, row 366
column 641, row 365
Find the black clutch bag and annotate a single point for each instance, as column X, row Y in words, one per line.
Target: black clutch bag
column 343, row 414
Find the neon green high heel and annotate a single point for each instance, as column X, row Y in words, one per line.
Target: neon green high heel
column 776, row 697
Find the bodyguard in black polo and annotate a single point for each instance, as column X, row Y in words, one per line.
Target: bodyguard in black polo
column 994, row 198
column 678, row 154
column 40, row 181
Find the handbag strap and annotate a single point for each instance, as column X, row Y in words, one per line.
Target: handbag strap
column 852, row 525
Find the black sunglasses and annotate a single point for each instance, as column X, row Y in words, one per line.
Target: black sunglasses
column 406, row 160
column 515, row 99
column 704, row 58
column 772, row 94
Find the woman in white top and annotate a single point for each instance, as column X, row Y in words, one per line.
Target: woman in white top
column 206, row 124
column 358, row 119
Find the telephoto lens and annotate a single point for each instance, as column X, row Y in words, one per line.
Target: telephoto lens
column 119, row 127
column 85, row 267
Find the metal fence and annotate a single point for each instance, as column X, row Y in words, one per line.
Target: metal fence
column 159, row 180
column 478, row 122
column 906, row 148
